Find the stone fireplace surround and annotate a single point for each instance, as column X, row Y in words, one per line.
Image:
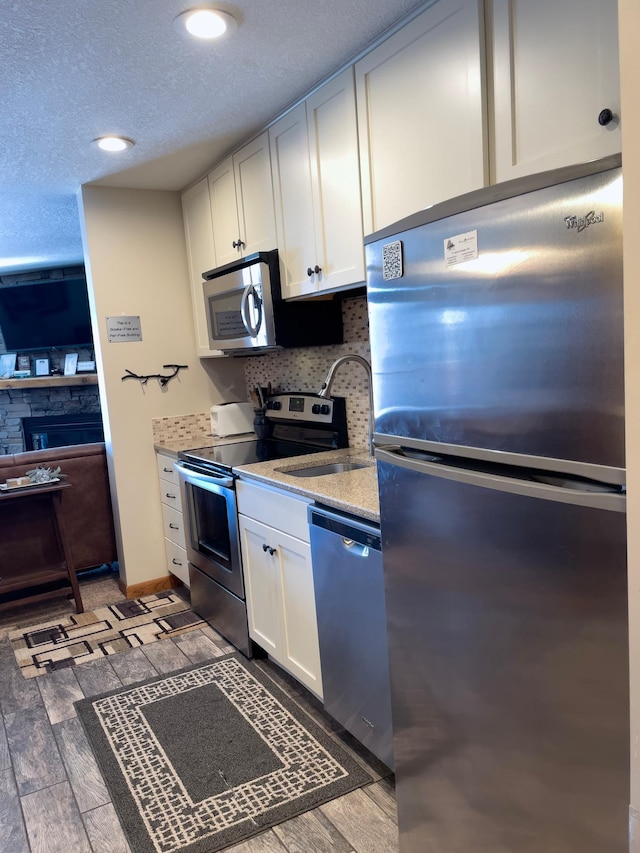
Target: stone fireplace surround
column 19, row 403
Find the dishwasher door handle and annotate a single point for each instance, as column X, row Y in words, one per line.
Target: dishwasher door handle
column 355, row 548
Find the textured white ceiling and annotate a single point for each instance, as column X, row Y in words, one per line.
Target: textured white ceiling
column 74, row 70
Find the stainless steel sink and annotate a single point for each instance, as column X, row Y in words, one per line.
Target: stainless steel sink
column 322, row 470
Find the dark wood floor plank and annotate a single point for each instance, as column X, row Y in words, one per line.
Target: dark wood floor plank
column 104, row 831
column 53, row 821
column 197, row 647
column 362, row 823
column 85, row 777
column 59, row 690
column 225, row 647
column 383, row 793
column 5, row 758
column 19, row 693
column 34, row 753
column 165, row 656
column 97, row 676
column 359, row 752
column 267, row 842
column 132, row 666
column 311, row 831
column 13, row 835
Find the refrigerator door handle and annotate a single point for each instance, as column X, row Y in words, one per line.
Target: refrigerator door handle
column 433, row 465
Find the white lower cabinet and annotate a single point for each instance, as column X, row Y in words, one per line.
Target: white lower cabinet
column 172, row 519
column 278, row 577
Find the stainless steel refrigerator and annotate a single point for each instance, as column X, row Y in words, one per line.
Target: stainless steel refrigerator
column 497, row 351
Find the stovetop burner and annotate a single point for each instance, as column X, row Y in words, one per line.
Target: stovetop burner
column 300, row 423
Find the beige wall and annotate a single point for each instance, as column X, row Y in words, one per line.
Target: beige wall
column 629, row 24
column 136, row 265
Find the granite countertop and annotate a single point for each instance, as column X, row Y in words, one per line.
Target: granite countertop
column 355, row 492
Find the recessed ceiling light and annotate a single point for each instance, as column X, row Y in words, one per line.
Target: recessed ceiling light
column 205, row 22
column 113, row 143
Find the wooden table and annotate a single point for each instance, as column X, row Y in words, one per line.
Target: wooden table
column 34, row 551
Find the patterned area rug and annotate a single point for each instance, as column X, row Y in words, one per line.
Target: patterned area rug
column 81, row 637
column 211, row 755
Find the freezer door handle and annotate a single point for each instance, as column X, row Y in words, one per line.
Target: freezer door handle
column 570, row 493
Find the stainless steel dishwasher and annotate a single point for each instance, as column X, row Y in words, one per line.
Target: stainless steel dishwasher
column 352, row 629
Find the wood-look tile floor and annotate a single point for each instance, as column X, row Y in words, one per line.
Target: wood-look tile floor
column 53, row 798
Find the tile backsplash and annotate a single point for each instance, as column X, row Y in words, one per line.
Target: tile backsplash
column 305, row 369
column 196, row 427
column 298, row 370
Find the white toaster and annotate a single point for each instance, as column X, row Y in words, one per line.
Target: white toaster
column 231, row 419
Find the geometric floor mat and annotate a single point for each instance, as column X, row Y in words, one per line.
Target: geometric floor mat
column 210, row 755
column 82, row 637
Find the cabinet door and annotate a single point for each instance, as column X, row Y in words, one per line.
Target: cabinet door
column 254, row 194
column 421, row 113
column 262, row 585
column 300, row 653
column 335, row 182
column 224, row 212
column 555, row 67
column 293, row 202
column 201, row 254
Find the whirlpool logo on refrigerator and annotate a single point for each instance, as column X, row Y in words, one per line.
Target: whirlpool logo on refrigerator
column 582, row 222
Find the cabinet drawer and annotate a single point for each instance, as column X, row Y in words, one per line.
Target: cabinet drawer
column 170, row 495
column 278, row 509
column 166, row 471
column 173, row 525
column 177, row 562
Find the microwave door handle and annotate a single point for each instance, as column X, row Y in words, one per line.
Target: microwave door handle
column 244, row 310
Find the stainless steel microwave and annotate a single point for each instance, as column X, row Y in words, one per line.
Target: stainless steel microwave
column 246, row 313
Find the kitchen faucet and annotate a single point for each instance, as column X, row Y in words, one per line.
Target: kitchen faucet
column 328, row 382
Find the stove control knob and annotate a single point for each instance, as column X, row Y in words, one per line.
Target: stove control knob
column 270, row 404
column 324, row 409
column 277, row 405
column 315, row 409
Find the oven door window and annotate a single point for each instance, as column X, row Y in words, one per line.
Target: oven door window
column 212, row 534
column 210, row 528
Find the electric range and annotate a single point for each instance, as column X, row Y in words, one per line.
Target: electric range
column 294, row 423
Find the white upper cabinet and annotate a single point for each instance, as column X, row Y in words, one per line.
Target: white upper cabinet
column 555, row 69
column 316, row 176
column 201, row 255
column 254, row 197
column 242, row 203
column 421, row 113
column 224, row 213
column 294, row 207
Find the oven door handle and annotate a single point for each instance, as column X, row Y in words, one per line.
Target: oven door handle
column 206, row 479
column 244, row 312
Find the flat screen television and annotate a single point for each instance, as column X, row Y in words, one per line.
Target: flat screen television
column 44, row 315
